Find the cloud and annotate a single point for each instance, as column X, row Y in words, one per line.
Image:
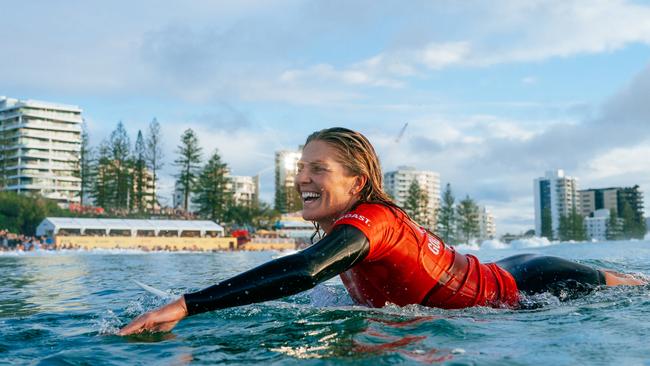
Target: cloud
column 508, row 32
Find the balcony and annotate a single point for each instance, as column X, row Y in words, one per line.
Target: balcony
column 57, row 116
column 42, row 125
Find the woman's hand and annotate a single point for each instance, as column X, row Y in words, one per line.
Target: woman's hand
column 159, row 320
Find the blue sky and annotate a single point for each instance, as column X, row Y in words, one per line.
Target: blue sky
column 495, row 92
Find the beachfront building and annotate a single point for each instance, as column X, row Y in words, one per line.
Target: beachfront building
column 397, row 183
column 487, row 226
column 292, row 225
column 556, row 195
column 597, row 199
column 129, row 233
column 286, row 167
column 632, row 197
column 618, row 200
column 596, row 224
column 245, row 189
column 40, row 146
column 179, row 197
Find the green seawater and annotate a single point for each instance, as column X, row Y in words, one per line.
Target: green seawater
column 63, row 308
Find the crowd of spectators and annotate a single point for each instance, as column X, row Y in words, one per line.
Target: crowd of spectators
column 10, row 242
column 25, row 243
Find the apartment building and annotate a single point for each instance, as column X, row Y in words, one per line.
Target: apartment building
column 396, row 184
column 40, row 143
column 556, row 195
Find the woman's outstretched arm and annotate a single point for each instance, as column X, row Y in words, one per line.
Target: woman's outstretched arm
column 344, row 247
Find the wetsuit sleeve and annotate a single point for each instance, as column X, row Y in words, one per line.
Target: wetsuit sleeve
column 338, row 251
column 376, row 222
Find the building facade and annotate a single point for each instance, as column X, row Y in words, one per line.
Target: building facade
column 556, row 195
column 596, row 224
column 597, row 199
column 619, row 200
column 487, row 226
column 632, row 196
column 396, row 184
column 245, row 192
column 286, row 167
column 245, row 189
column 40, row 149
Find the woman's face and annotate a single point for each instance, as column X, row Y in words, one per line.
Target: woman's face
column 326, row 187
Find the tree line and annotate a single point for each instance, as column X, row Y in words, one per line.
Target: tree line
column 624, row 226
column 455, row 222
column 122, row 178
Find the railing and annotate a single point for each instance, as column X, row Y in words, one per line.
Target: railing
column 64, row 116
column 43, row 125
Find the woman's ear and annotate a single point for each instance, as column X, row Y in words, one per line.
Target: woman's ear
column 359, row 182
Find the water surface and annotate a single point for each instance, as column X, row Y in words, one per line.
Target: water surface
column 65, row 307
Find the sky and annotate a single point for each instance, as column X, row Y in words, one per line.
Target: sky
column 495, row 93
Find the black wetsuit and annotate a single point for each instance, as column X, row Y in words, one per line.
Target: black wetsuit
column 346, row 246
column 341, row 249
column 536, row 273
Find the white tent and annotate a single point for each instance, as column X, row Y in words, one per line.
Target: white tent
column 51, row 226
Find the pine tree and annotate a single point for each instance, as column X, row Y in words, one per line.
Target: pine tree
column 85, row 165
column 564, row 228
column 189, row 160
column 547, row 228
column 572, row 227
column 213, row 196
column 154, row 157
column 280, row 198
column 468, row 225
column 629, row 221
column 416, row 204
column 614, row 227
column 578, row 226
column 446, row 216
column 412, row 202
column 102, row 177
column 139, row 174
column 120, row 153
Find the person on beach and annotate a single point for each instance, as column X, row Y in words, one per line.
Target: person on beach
column 381, row 254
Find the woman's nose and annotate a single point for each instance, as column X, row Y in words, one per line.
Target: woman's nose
column 302, row 176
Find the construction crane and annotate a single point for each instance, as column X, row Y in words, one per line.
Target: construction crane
column 401, row 133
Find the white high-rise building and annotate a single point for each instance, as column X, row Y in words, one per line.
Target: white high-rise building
column 245, row 189
column 286, row 167
column 40, row 147
column 487, row 226
column 556, row 195
column 396, row 184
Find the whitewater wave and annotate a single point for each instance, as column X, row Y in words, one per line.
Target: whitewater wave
column 494, row 244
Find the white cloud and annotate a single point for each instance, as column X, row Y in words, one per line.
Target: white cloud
column 529, row 80
column 631, row 161
column 436, row 56
column 509, row 32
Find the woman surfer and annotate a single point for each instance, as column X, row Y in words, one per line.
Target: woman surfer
column 379, row 252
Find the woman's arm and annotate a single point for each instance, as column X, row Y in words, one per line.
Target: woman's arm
column 344, row 247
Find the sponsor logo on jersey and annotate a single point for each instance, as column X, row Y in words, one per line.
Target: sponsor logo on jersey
column 434, row 245
column 355, row 216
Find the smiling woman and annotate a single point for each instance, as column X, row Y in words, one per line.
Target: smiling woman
column 381, row 254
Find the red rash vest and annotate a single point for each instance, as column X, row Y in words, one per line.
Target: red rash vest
column 408, row 265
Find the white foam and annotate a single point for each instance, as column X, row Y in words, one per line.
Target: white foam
column 494, row 244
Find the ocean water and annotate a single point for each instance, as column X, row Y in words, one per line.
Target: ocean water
column 63, row 308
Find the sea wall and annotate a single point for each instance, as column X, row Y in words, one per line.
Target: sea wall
column 152, row 243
